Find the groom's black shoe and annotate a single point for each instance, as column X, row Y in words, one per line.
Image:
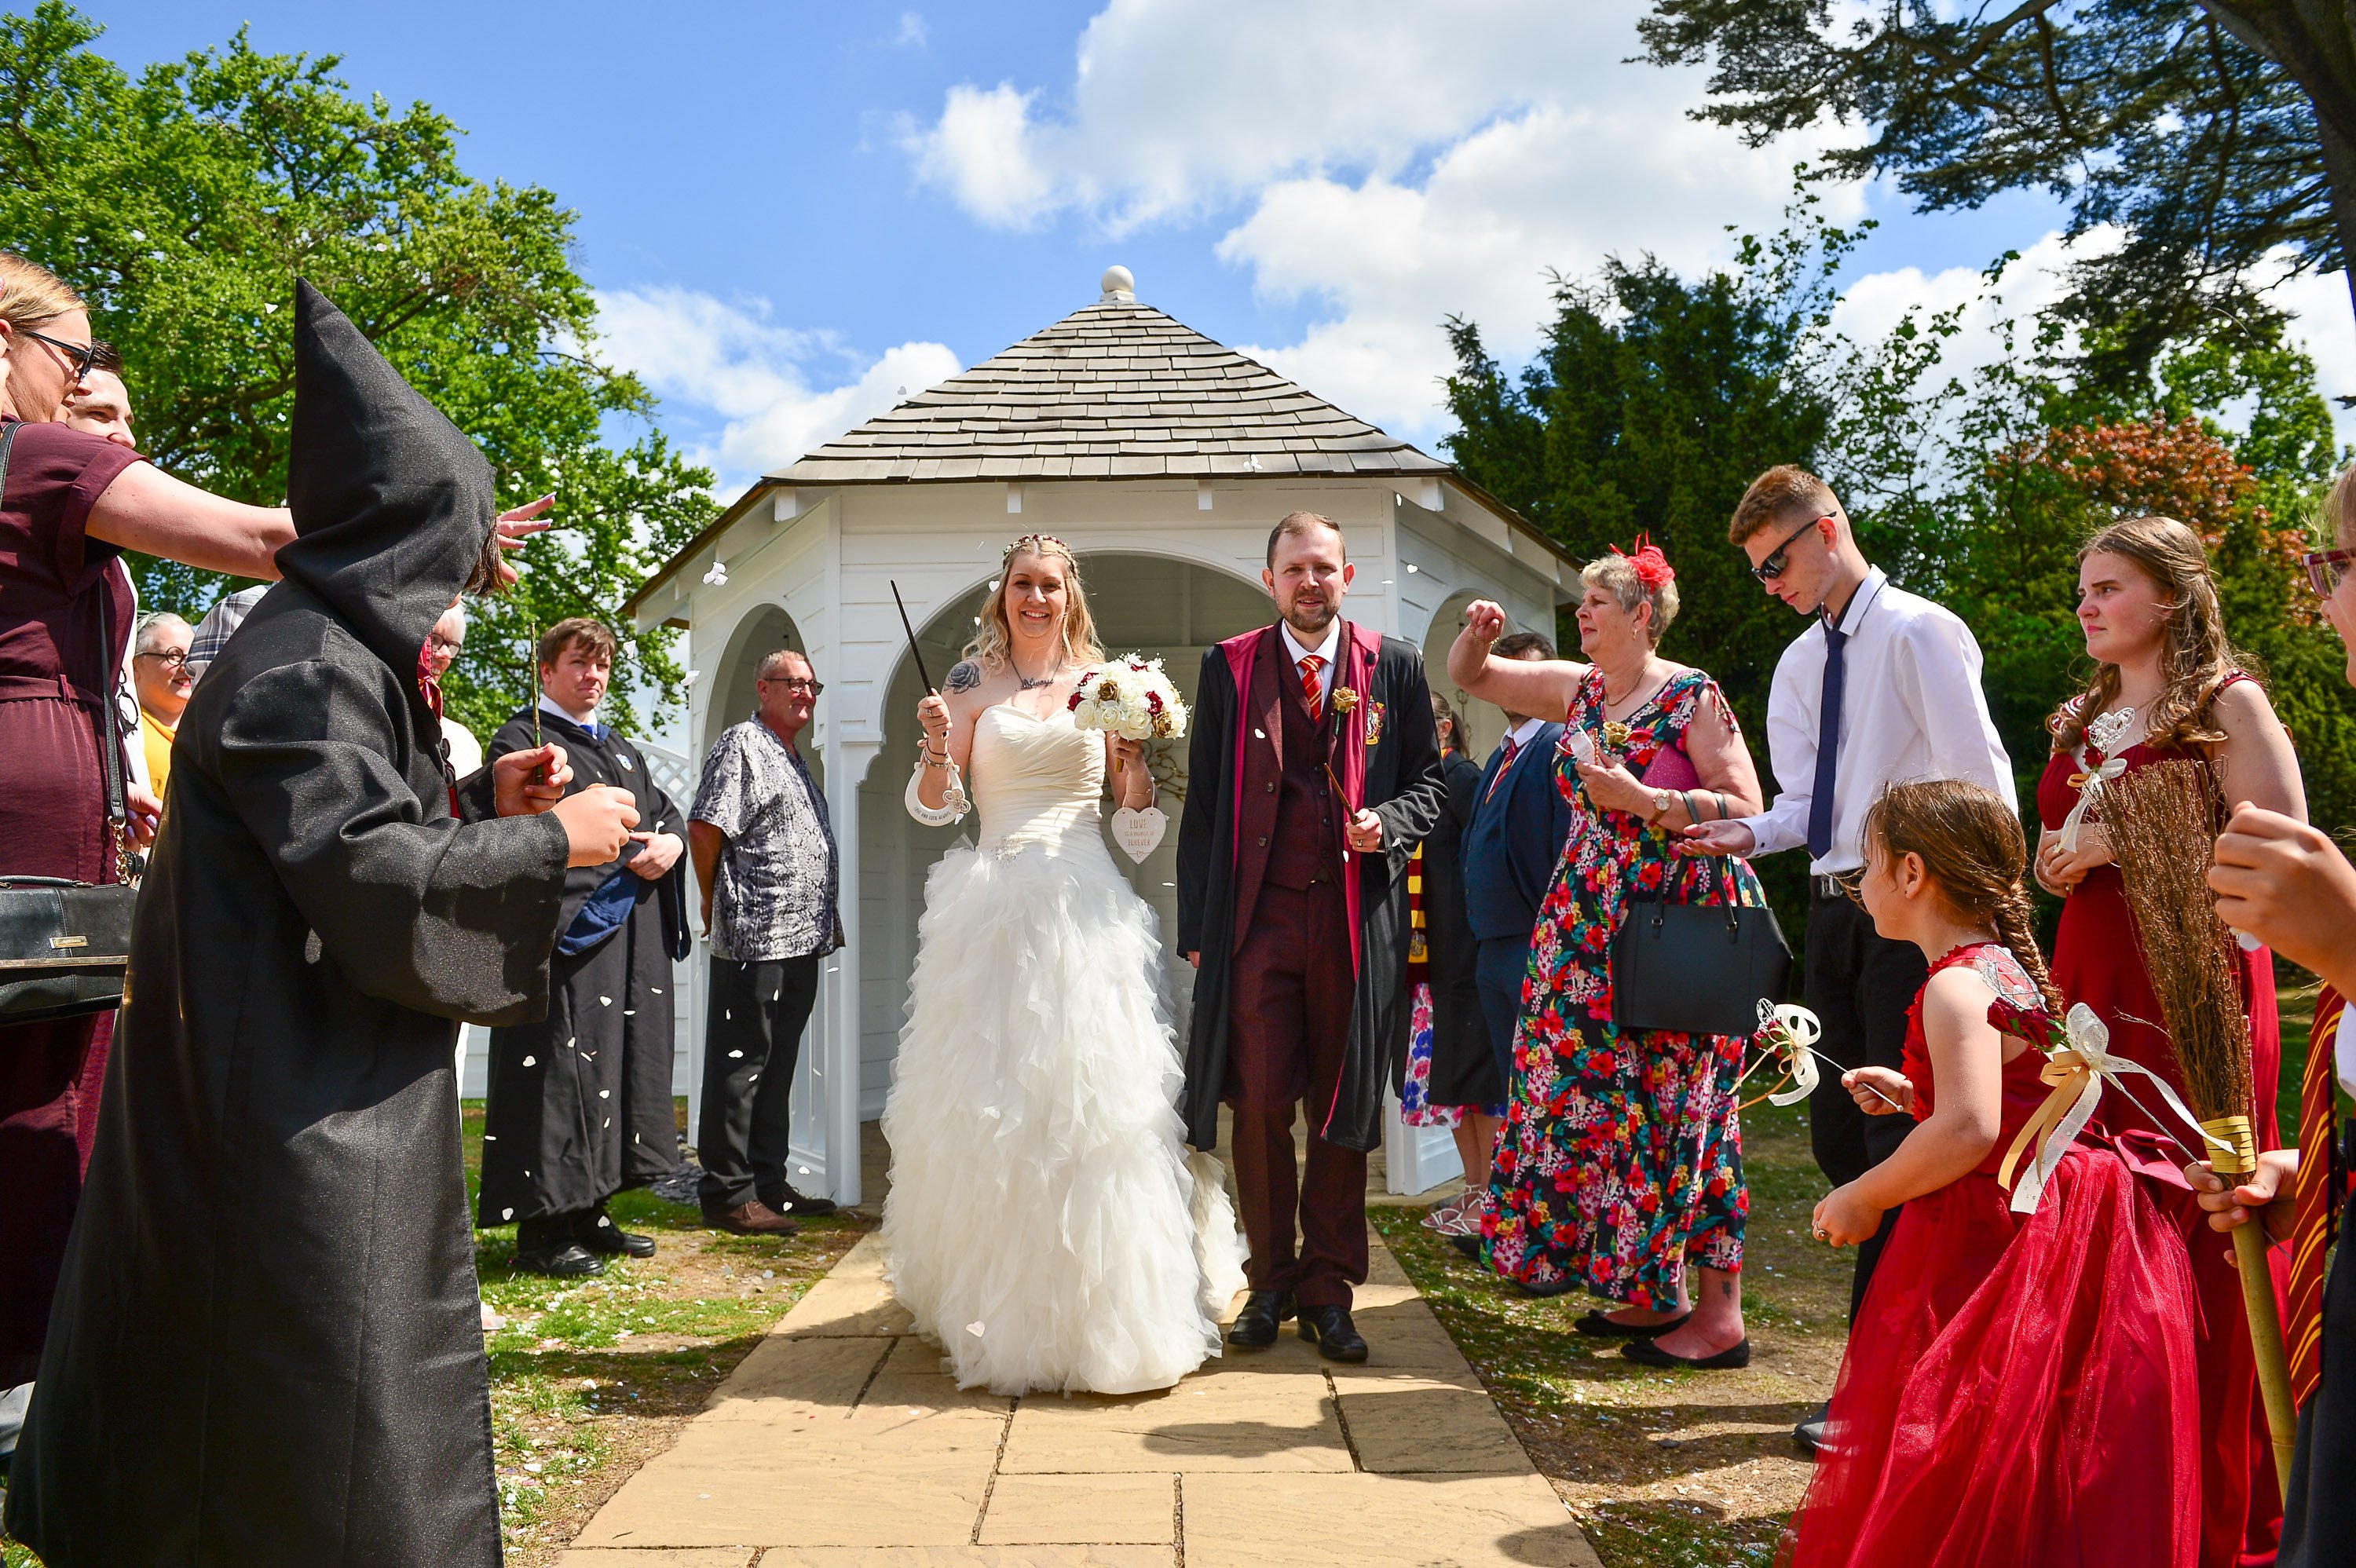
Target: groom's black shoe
column 1255, row 1326
column 1331, row 1330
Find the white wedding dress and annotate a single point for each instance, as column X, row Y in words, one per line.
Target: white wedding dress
column 1044, row 1224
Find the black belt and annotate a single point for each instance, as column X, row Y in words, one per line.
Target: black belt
column 1828, row 887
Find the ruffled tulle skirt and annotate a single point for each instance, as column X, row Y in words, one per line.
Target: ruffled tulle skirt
column 1044, row 1224
column 2020, row 1391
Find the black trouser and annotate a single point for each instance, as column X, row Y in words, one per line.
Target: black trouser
column 1860, row 985
column 751, row 1036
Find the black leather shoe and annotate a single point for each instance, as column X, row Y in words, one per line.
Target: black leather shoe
column 1596, row 1326
column 1255, row 1326
column 800, row 1205
column 571, row 1261
column 1652, row 1355
column 1331, row 1330
column 1469, row 1245
column 600, row 1234
column 1810, row 1433
column 1563, row 1287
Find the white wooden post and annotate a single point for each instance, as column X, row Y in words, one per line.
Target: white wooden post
column 846, row 765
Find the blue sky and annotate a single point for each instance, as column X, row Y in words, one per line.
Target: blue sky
column 792, row 211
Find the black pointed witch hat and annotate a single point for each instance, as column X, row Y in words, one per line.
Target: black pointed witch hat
column 391, row 502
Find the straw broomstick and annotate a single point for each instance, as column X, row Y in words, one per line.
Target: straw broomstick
column 2157, row 814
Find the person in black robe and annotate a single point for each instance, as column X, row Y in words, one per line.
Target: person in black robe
column 580, row 1101
column 266, row 1346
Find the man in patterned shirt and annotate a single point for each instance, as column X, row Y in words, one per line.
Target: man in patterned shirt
column 766, row 860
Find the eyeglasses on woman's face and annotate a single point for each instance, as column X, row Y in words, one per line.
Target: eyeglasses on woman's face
column 449, row 647
column 2325, row 567
column 1778, row 560
column 81, row 355
column 170, row 659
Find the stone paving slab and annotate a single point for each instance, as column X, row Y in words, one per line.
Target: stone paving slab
column 841, row 1442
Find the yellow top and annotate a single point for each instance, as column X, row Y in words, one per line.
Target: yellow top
column 157, row 738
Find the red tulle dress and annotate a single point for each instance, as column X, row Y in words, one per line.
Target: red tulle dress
column 2097, row 960
column 2019, row 1390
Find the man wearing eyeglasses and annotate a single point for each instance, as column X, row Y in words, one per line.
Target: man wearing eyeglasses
column 765, row 857
column 159, row 674
column 1883, row 686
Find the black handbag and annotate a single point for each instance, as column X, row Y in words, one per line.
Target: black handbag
column 1696, row 968
column 65, row 946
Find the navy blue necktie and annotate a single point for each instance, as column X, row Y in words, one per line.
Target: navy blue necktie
column 1828, row 718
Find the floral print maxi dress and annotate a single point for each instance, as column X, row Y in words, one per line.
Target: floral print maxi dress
column 1621, row 1159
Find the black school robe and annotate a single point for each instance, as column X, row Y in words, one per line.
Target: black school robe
column 266, row 1348
column 1401, row 785
column 580, row 1101
column 1463, row 1068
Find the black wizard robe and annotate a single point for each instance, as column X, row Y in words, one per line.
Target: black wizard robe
column 266, row 1346
column 1387, row 758
column 580, row 1103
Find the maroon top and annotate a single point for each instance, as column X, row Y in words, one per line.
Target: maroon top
column 55, row 583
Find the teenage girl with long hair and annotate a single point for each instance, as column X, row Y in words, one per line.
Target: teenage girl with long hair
column 2168, row 683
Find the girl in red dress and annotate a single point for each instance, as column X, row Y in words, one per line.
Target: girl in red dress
column 2168, row 684
column 2019, row 1390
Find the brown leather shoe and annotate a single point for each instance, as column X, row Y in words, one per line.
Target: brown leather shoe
column 754, row 1218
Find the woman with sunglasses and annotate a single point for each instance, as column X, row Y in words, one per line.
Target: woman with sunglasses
column 2168, row 684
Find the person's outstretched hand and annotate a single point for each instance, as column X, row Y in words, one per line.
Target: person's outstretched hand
column 2285, row 884
column 597, row 822
column 1717, row 838
column 516, row 527
column 525, row 783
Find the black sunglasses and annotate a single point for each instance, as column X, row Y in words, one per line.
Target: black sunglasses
column 83, row 355
column 1775, row 564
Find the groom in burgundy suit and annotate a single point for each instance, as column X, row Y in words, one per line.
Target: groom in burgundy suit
column 1314, row 772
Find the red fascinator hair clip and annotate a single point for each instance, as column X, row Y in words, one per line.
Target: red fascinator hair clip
column 1653, row 568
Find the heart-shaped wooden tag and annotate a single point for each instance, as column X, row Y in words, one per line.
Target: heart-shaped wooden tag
column 1139, row 832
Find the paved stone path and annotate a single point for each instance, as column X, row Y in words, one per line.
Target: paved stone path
column 839, row 1444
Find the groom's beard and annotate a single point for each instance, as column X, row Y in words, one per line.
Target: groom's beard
column 1308, row 621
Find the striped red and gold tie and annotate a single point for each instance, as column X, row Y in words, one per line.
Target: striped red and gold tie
column 2318, row 1202
column 1309, row 665
column 1505, row 766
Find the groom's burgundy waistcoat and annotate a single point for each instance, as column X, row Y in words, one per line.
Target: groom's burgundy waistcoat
column 1288, row 824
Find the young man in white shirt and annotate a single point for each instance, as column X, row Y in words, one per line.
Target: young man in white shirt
column 1883, row 686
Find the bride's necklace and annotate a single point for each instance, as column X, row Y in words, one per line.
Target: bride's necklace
column 1025, row 682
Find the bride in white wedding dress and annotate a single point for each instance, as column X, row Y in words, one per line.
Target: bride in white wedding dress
column 1044, row 1224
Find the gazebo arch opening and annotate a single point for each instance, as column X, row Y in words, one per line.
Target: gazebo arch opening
column 1161, row 606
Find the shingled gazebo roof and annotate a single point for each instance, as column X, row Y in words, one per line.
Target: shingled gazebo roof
column 1116, row 390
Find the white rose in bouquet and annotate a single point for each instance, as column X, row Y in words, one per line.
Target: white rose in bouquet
column 1132, row 698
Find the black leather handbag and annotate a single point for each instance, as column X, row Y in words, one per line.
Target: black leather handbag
column 1696, row 968
column 65, row 946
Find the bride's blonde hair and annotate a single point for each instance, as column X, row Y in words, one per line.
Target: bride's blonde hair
column 994, row 637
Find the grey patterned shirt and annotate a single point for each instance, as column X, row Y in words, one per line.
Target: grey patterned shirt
column 775, row 897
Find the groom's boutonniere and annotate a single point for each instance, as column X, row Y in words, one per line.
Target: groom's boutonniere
column 1373, row 723
column 1344, row 699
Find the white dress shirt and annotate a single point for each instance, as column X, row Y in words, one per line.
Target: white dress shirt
column 1325, row 650
column 1911, row 708
column 466, row 752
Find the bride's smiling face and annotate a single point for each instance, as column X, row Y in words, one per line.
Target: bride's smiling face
column 1036, row 597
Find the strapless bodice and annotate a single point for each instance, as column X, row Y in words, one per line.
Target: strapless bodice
column 1035, row 780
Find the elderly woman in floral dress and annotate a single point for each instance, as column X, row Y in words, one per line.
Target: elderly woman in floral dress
column 1620, row 1171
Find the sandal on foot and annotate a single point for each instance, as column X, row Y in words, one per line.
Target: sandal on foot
column 1596, row 1326
column 1652, row 1355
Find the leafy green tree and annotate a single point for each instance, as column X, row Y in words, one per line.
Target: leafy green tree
column 2213, row 131
column 185, row 201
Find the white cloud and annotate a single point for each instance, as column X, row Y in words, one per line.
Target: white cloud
column 2321, row 324
column 912, row 32
column 759, row 395
column 1387, row 167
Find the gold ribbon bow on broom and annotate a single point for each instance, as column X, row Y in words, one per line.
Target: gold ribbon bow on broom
column 2076, row 1064
column 2090, row 791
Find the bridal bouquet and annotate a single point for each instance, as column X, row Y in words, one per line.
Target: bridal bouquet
column 1132, row 698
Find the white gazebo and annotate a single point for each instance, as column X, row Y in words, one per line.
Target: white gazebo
column 1163, row 459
